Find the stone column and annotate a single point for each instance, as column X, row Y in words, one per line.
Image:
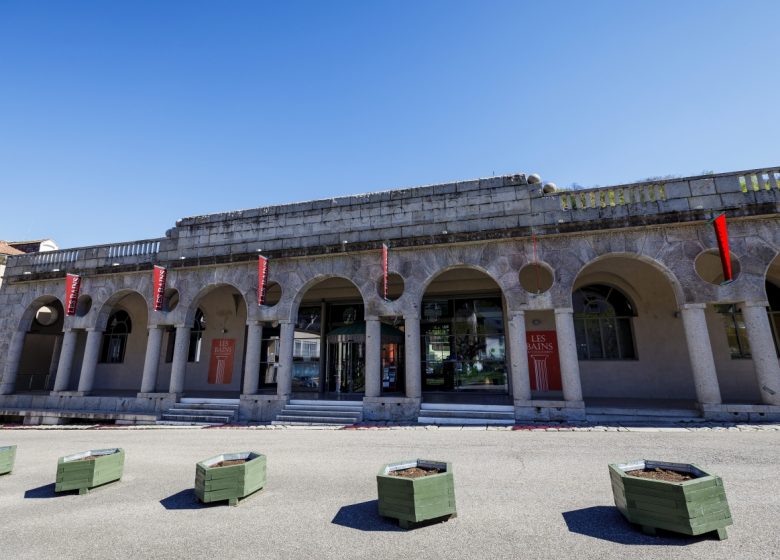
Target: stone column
column 89, row 364
column 762, row 348
column 412, row 358
column 705, row 377
column 254, row 341
column 285, row 370
column 518, row 357
column 181, row 347
column 567, row 352
column 55, row 361
column 62, row 380
column 12, row 359
column 373, row 357
column 152, row 360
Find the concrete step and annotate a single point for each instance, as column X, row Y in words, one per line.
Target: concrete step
column 303, row 420
column 202, row 411
column 209, row 418
column 175, row 423
column 487, row 414
column 315, row 402
column 467, row 407
column 196, row 400
column 322, row 414
column 351, row 409
column 205, row 406
column 454, row 421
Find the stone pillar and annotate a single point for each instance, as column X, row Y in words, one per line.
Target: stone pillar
column 705, row 377
column 412, row 358
column 762, row 348
column 181, row 347
column 285, row 370
column 518, row 357
column 152, row 360
column 373, row 357
column 89, row 364
column 62, row 380
column 55, row 361
column 12, row 359
column 254, row 341
column 567, row 353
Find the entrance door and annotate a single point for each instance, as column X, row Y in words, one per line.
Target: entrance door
column 346, row 367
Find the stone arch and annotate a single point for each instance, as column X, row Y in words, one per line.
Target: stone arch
column 192, row 307
column 107, row 307
column 25, row 321
column 301, row 292
column 423, row 287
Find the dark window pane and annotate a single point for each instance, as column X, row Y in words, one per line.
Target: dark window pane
column 593, row 331
column 626, row 339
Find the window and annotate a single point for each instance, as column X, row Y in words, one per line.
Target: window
column 736, row 333
column 602, row 324
column 196, row 337
column 773, row 295
column 115, row 338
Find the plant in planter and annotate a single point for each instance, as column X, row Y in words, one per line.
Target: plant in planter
column 230, row 476
column 89, row 469
column 677, row 497
column 416, row 490
column 7, row 456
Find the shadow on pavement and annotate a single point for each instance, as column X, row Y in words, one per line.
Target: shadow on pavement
column 364, row 517
column 186, row 499
column 608, row 524
column 46, row 491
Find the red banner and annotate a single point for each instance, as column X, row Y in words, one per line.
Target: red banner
column 160, row 274
column 722, row 235
column 544, row 367
column 221, row 363
column 262, row 278
column 72, row 288
column 384, row 270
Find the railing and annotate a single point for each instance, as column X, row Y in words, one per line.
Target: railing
column 133, row 248
column 760, row 180
column 613, row 196
column 113, row 252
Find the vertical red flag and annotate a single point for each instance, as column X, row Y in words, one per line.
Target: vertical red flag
column 72, row 288
column 160, row 275
column 721, row 234
column 262, row 278
column 384, row 270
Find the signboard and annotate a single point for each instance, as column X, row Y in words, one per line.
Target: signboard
column 544, row 367
column 160, row 274
column 262, row 278
column 72, row 287
column 384, row 271
column 221, row 363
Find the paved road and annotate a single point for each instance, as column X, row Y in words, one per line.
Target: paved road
column 519, row 494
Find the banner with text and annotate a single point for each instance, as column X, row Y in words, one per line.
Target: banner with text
column 221, row 363
column 544, row 367
column 262, row 278
column 384, row 270
column 160, row 275
column 721, row 234
column 72, row 288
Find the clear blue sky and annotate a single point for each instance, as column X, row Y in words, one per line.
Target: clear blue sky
column 119, row 117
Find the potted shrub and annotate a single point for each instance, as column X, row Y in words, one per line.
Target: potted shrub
column 7, row 456
column 416, row 490
column 230, row 476
column 89, row 469
column 678, row 497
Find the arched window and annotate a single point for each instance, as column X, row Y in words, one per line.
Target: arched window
column 115, row 338
column 602, row 323
column 196, row 336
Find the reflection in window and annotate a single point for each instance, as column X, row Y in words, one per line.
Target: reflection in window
column 736, row 333
column 307, row 348
column 196, row 337
column 602, row 324
column 115, row 338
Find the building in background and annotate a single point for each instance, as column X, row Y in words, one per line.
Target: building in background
column 501, row 300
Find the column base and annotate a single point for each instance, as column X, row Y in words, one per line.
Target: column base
column 260, row 408
column 69, row 394
column 549, row 410
column 391, row 409
column 740, row 412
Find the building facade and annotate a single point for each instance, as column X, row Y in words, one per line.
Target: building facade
column 557, row 305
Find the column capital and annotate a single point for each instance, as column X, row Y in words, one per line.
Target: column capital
column 754, row 304
column 155, row 327
column 516, row 314
column 93, row 329
column 564, row 311
column 412, row 317
column 372, row 318
column 685, row 306
column 254, row 323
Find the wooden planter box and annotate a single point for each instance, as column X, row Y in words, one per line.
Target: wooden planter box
column 692, row 507
column 232, row 482
column 7, row 456
column 412, row 500
column 89, row 469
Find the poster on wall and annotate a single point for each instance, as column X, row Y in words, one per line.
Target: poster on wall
column 544, row 367
column 221, row 363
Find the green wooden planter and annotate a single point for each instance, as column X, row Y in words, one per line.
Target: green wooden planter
column 232, row 482
column 692, row 507
column 74, row 472
column 412, row 500
column 7, row 456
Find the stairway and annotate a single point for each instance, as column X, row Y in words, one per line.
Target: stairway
column 466, row 414
column 201, row 412
column 320, row 412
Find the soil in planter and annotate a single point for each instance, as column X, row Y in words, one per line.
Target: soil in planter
column 662, row 474
column 231, row 462
column 415, row 472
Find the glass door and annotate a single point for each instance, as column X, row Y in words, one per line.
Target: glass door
column 346, row 367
